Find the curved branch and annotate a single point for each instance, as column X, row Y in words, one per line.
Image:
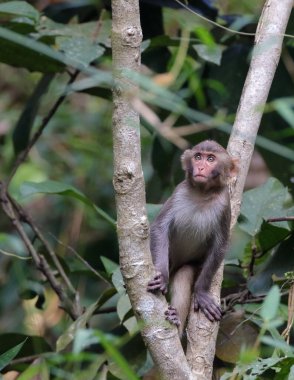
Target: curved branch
column 266, row 54
column 265, row 59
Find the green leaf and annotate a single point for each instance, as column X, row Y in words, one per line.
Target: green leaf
column 80, row 49
column 21, row 133
column 39, row 370
column 132, row 325
column 116, row 356
column 49, row 29
column 285, row 369
column 9, row 355
column 76, row 41
column 264, row 202
column 105, row 296
column 256, row 368
column 123, row 306
column 19, row 8
column 87, row 337
column 284, row 107
column 83, row 339
column 37, row 56
column 14, row 45
column 54, row 187
column 260, row 366
column 67, row 337
column 270, row 235
column 278, row 344
column 118, row 281
column 269, row 308
column 91, row 371
column 12, row 245
column 109, row 265
column 211, row 54
column 278, row 263
column 274, row 147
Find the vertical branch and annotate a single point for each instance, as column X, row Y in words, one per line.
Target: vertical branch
column 132, row 224
column 265, row 58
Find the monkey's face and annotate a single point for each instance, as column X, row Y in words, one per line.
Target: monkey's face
column 205, row 167
column 208, row 166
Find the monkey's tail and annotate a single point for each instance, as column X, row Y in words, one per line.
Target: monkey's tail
column 181, row 291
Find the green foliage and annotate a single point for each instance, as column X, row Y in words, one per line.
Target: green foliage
column 19, row 11
column 22, row 130
column 251, row 365
column 54, row 187
column 263, row 203
column 74, row 41
column 211, row 54
column 270, row 305
column 9, row 355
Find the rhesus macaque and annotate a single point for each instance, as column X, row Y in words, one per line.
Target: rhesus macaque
column 190, row 235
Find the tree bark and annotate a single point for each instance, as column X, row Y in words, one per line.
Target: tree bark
column 266, row 54
column 132, row 224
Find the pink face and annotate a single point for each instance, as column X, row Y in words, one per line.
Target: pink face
column 204, row 167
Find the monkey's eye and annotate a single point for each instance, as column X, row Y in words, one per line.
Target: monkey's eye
column 197, row 156
column 210, row 158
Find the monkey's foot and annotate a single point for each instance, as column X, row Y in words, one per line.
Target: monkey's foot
column 158, row 283
column 208, row 306
column 171, row 315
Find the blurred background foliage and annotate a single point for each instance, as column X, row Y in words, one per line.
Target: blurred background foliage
column 192, row 76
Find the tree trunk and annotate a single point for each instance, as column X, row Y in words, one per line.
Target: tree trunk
column 132, row 224
column 266, row 54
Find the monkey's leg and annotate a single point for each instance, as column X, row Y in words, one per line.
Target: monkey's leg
column 181, row 291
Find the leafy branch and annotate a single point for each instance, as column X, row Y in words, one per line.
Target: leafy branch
column 18, row 216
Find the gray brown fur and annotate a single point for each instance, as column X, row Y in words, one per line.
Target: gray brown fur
column 190, row 235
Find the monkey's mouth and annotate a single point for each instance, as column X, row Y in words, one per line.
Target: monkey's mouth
column 200, row 177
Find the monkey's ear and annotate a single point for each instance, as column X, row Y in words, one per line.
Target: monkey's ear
column 234, row 169
column 185, row 158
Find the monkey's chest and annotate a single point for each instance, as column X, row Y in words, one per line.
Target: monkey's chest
column 191, row 234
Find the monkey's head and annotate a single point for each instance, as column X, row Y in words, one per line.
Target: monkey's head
column 208, row 165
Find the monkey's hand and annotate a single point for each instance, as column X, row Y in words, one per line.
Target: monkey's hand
column 158, row 283
column 171, row 315
column 204, row 302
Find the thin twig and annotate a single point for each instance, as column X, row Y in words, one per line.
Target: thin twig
column 72, row 250
column 243, row 297
column 27, row 219
column 9, row 211
column 106, row 310
column 254, row 255
column 282, row 219
column 26, row 359
column 233, row 31
column 39, row 260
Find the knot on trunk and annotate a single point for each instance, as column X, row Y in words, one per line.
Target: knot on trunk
column 123, row 181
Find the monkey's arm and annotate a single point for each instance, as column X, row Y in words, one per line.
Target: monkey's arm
column 202, row 298
column 160, row 251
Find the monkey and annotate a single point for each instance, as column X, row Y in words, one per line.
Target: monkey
column 189, row 237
